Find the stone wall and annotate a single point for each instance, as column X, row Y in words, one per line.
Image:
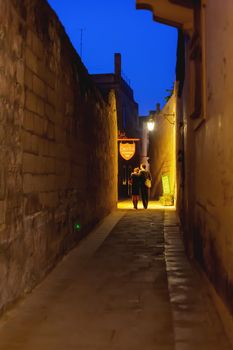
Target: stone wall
column 58, row 147
column 204, row 138
column 208, row 153
column 214, row 155
column 162, row 148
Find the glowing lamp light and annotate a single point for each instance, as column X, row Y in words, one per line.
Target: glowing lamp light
column 77, row 226
column 150, row 124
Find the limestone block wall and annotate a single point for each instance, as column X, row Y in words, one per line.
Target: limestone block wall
column 58, row 146
column 214, row 155
column 208, row 199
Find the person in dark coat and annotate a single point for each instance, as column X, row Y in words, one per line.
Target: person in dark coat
column 144, row 175
column 135, row 182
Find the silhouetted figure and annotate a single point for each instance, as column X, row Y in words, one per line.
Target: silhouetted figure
column 144, row 175
column 135, row 182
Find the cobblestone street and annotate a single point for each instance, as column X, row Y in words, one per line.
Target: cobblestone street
column 127, row 286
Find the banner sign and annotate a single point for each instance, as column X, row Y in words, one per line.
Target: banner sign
column 127, row 150
column 166, row 184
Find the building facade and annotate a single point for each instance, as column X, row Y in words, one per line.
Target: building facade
column 127, row 120
column 144, row 157
column 162, row 143
column 49, row 154
column 204, row 135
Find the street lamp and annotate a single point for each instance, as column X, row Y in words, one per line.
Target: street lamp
column 151, row 124
column 151, row 120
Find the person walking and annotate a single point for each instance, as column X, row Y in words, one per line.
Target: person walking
column 145, row 184
column 135, row 183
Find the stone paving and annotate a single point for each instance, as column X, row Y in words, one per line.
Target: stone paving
column 195, row 320
column 129, row 290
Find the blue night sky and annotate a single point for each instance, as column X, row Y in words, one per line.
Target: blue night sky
column 148, row 48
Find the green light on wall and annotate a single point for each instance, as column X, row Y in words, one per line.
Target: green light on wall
column 77, row 227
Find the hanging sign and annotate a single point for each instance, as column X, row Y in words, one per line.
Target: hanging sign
column 127, row 150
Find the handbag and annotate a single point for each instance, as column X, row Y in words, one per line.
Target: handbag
column 148, row 183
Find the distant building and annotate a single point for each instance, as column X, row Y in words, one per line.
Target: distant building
column 127, row 119
column 144, row 140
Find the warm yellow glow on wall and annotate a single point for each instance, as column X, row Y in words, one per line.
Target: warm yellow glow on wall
column 162, row 153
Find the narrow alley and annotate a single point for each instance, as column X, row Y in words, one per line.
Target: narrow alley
column 103, row 104
column 128, row 285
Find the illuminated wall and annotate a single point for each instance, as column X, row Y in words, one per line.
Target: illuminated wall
column 162, row 149
column 204, row 136
column 207, row 199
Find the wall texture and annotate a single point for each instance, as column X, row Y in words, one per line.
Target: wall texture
column 208, row 154
column 162, row 148
column 204, row 138
column 58, row 146
column 214, row 155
